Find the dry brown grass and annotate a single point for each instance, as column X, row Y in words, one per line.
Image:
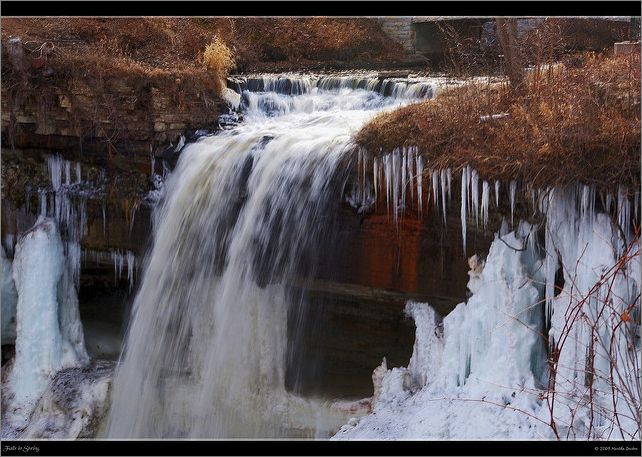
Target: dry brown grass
column 573, row 124
column 173, row 45
column 306, row 40
column 218, row 58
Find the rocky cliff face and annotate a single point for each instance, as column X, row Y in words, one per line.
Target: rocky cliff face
column 93, row 145
column 365, row 277
column 95, row 116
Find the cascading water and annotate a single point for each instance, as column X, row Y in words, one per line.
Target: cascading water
column 235, row 237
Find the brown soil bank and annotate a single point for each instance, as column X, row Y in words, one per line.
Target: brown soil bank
column 104, row 86
column 90, row 87
column 175, row 44
column 578, row 122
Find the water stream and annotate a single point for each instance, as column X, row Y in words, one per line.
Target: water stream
column 245, row 217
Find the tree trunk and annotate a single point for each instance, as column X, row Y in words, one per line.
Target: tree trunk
column 507, row 31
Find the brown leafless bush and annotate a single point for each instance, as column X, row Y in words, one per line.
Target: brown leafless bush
column 218, row 58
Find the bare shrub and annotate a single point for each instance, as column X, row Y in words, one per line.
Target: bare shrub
column 219, row 59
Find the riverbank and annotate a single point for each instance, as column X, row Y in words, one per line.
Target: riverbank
column 576, row 122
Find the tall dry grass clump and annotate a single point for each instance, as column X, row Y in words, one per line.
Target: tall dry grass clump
column 219, row 59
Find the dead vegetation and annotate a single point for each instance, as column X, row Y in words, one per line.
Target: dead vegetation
column 107, row 67
column 293, row 42
column 218, row 58
column 574, row 122
column 161, row 46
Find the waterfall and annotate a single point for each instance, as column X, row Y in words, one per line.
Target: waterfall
column 237, row 230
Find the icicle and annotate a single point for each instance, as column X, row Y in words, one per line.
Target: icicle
column 131, row 262
column 375, row 177
column 363, row 186
column 624, row 211
column 395, row 184
column 42, row 208
column 443, row 194
column 474, row 189
column 551, row 268
column 404, row 175
column 435, row 189
column 468, row 180
column 464, row 197
column 513, row 191
column 484, row 205
column 133, row 217
column 609, row 202
column 67, row 172
column 585, row 201
column 104, row 220
column 118, row 260
column 636, row 205
column 53, row 203
column 73, row 261
column 387, row 175
column 114, row 260
column 83, row 218
column 497, row 194
column 411, row 174
column 420, row 172
column 450, row 176
column 78, row 174
column 54, row 165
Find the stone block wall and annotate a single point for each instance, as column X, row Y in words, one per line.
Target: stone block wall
column 88, row 114
column 401, row 30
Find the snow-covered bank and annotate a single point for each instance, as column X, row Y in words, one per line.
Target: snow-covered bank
column 49, row 334
column 484, row 372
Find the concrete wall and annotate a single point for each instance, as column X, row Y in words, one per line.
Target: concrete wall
column 401, row 30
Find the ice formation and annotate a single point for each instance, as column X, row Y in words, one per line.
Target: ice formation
column 66, row 202
column 464, row 201
column 443, row 194
column 593, row 324
column 513, row 193
column 484, row 204
column 420, row 167
column 9, row 301
column 474, row 189
column 49, row 332
column 400, row 174
column 485, row 374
